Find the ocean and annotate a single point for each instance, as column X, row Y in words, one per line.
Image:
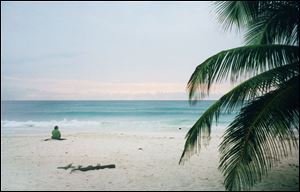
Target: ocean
column 85, row 116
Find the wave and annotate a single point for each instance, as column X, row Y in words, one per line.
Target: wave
column 11, row 126
column 51, row 123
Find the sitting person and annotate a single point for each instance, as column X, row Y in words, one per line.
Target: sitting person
column 56, row 133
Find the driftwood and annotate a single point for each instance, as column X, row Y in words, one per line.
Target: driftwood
column 88, row 168
column 66, row 167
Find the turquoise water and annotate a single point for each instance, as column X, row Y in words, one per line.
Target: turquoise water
column 40, row 116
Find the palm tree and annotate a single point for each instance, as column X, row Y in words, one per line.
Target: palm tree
column 267, row 68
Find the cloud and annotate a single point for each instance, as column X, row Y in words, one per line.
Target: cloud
column 35, row 89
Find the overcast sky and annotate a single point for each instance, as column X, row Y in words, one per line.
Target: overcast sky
column 107, row 50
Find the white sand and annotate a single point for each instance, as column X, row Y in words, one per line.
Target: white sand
column 29, row 163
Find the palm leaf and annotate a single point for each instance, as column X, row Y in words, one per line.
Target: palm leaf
column 239, row 63
column 278, row 25
column 245, row 13
column 248, row 90
column 265, row 129
column 236, row 12
column 260, row 135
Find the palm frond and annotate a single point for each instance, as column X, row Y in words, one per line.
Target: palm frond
column 260, row 135
column 236, row 12
column 276, row 26
column 238, row 64
column 245, row 13
column 258, row 85
column 264, row 131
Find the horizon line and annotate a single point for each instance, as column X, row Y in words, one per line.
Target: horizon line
column 108, row 100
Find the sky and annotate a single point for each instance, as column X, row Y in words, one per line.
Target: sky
column 107, row 50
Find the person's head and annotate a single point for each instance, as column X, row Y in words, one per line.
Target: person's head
column 56, row 127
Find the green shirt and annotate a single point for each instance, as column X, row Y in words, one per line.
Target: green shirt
column 55, row 134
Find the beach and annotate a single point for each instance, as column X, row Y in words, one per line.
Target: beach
column 101, row 96
column 144, row 161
